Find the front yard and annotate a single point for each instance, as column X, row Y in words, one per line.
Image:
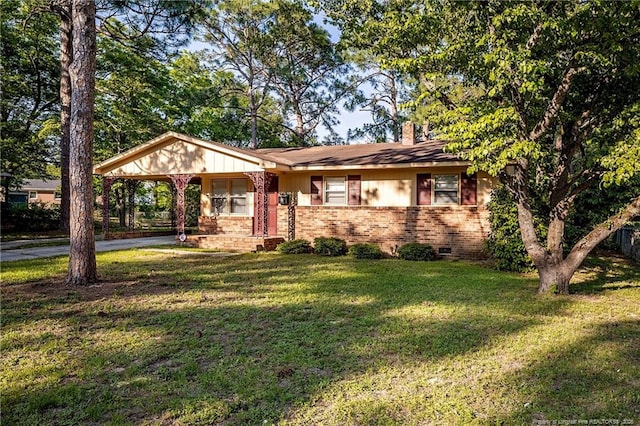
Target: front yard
column 268, row 338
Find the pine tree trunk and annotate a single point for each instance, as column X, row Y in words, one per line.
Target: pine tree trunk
column 82, row 255
column 66, row 57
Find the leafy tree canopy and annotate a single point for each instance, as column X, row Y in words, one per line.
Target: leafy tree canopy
column 544, row 95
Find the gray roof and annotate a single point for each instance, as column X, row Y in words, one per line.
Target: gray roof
column 40, row 185
column 362, row 154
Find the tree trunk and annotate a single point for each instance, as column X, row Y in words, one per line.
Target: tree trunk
column 253, row 111
column 66, row 56
column 82, row 254
column 553, row 270
column 555, row 277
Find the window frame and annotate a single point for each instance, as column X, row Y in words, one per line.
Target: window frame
column 327, row 192
column 35, row 195
column 228, row 197
column 435, row 191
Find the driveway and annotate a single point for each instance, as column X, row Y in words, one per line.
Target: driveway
column 8, row 254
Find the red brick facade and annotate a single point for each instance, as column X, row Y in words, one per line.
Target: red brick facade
column 230, row 225
column 460, row 229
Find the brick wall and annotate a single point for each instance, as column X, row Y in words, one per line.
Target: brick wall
column 461, row 229
column 233, row 243
column 232, row 225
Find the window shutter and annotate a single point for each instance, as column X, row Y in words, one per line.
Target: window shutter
column 353, row 182
column 316, row 190
column 424, row 189
column 469, row 189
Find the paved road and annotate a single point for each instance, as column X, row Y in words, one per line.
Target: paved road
column 7, row 254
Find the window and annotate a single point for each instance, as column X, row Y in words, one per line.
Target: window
column 229, row 196
column 57, row 195
column 445, row 189
column 33, row 195
column 335, row 190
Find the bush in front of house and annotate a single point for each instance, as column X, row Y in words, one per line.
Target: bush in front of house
column 505, row 242
column 330, row 246
column 416, row 251
column 295, row 247
column 365, row 251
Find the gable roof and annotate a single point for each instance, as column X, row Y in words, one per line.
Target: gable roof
column 362, row 156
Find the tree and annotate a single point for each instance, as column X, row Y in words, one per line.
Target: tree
column 29, row 98
column 310, row 75
column 545, row 96
column 383, row 101
column 238, row 32
column 82, row 74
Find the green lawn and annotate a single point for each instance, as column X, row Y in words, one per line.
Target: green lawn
column 268, row 338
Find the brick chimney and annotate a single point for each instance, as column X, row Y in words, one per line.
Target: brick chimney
column 408, row 133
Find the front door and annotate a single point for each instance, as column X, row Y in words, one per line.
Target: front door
column 272, row 212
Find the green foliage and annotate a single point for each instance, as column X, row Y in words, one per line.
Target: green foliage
column 365, row 251
column 330, row 246
column 29, row 75
column 544, row 96
column 416, row 251
column 295, row 247
column 30, row 217
column 505, row 243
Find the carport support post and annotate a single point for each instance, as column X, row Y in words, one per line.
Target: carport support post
column 180, row 182
column 261, row 181
column 132, row 185
column 107, row 181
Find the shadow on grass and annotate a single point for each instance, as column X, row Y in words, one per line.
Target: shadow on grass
column 573, row 383
column 245, row 340
column 604, row 273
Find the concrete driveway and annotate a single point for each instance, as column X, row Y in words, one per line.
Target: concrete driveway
column 8, row 254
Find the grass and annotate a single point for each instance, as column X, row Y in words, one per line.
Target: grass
column 302, row 339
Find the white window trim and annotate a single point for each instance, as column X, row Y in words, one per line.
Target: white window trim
column 35, row 195
column 325, row 192
column 228, row 198
column 434, row 190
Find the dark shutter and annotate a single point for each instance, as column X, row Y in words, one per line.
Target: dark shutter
column 354, row 190
column 316, row 190
column 424, row 189
column 469, row 189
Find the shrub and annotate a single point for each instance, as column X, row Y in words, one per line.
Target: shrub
column 505, row 243
column 295, row 247
column 30, row 217
column 416, row 251
column 330, row 246
column 365, row 251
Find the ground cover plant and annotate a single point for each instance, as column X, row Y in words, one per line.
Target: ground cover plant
column 169, row 338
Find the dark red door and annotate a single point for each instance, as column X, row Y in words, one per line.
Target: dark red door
column 272, row 216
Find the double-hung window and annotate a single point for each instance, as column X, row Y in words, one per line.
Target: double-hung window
column 335, row 191
column 229, row 196
column 445, row 189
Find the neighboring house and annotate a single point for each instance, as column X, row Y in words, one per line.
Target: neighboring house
column 388, row 194
column 46, row 192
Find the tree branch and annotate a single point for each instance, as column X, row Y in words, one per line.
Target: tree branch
column 556, row 103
